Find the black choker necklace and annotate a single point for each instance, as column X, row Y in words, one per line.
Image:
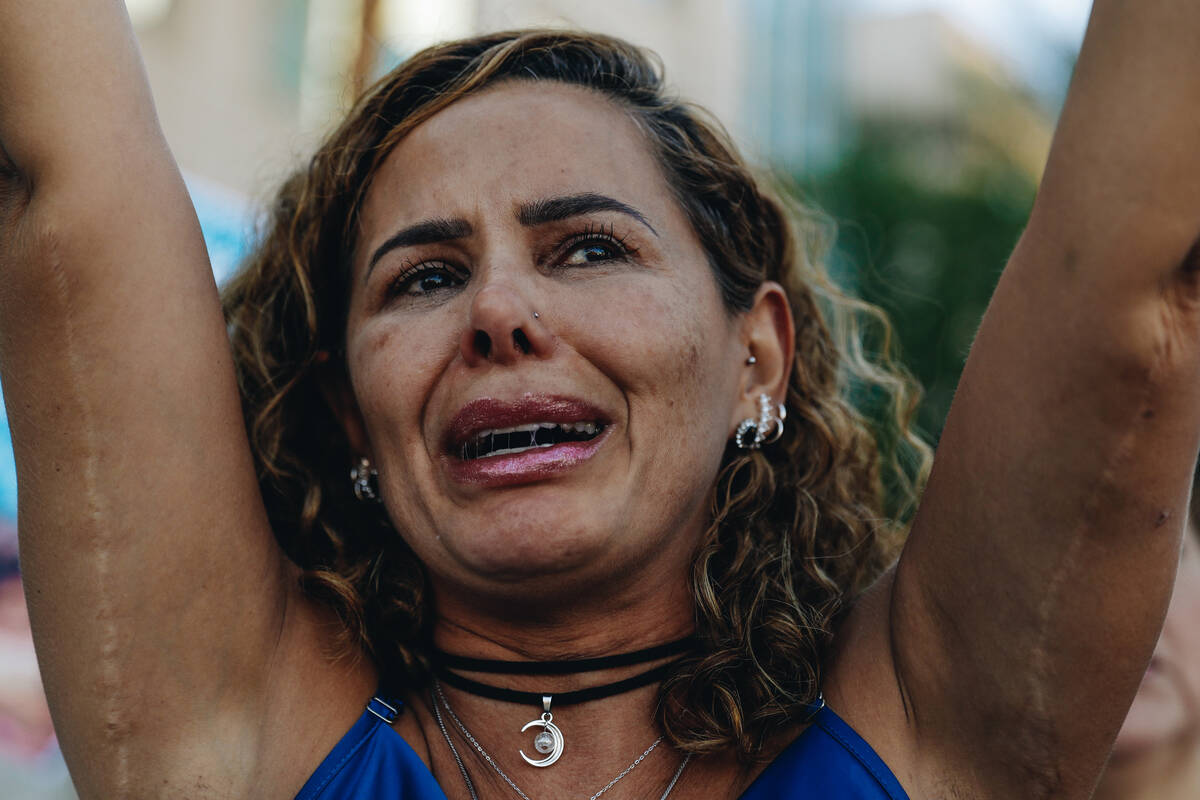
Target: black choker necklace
column 443, row 660
column 549, row 742
column 562, row 699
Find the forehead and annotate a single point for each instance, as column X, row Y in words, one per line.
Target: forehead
column 512, row 143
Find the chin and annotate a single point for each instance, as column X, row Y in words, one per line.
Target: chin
column 520, row 557
column 515, row 551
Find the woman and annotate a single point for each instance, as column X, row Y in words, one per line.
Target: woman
column 550, row 325
column 1157, row 753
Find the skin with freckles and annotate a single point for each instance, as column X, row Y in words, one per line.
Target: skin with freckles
column 545, row 198
column 630, row 321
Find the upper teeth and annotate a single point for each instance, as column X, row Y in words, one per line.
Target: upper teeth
column 579, row 427
column 519, row 438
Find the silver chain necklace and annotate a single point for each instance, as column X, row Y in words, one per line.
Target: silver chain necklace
column 458, row 723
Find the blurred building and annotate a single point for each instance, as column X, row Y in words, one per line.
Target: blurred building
column 792, row 99
column 226, row 81
column 954, row 102
column 246, row 88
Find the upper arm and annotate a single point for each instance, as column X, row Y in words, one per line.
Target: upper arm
column 1027, row 601
column 1029, row 596
column 160, row 601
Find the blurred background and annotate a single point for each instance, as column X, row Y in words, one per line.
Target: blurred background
column 919, row 126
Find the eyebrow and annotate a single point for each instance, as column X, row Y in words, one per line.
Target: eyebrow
column 555, row 209
column 531, row 214
column 429, row 231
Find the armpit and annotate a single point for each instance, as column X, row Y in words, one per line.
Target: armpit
column 1191, row 262
column 1181, row 314
column 14, row 191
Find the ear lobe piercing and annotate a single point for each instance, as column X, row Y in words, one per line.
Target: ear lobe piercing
column 365, row 480
column 753, row 433
column 751, row 361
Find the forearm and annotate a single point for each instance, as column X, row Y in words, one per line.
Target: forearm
column 1122, row 187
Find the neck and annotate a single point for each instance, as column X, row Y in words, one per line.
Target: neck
column 590, row 622
column 601, row 737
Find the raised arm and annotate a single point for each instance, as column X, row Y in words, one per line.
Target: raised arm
column 1024, row 609
column 157, row 593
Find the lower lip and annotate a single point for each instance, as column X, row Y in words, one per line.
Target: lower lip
column 537, row 464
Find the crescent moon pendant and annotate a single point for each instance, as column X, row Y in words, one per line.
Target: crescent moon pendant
column 555, row 752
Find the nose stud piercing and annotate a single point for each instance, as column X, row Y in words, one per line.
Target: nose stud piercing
column 536, row 315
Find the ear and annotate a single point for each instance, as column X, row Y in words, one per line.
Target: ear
column 769, row 336
column 339, row 395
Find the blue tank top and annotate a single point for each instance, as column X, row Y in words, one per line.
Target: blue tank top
column 373, row 762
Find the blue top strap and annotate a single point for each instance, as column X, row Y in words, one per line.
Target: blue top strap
column 827, row 760
column 373, row 762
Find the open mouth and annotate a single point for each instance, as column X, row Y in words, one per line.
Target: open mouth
column 523, row 438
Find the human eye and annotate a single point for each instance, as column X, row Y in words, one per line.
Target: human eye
column 597, row 244
column 425, row 279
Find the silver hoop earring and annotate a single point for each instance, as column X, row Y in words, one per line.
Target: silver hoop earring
column 753, row 433
column 365, row 478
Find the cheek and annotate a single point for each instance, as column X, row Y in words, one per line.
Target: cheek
column 391, row 368
column 656, row 324
column 666, row 346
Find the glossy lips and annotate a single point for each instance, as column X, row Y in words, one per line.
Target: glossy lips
column 497, row 443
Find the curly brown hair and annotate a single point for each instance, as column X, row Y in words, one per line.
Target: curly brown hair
column 798, row 528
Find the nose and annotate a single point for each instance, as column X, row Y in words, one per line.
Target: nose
column 503, row 328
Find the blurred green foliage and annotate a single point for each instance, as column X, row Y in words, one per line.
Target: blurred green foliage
column 925, row 226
